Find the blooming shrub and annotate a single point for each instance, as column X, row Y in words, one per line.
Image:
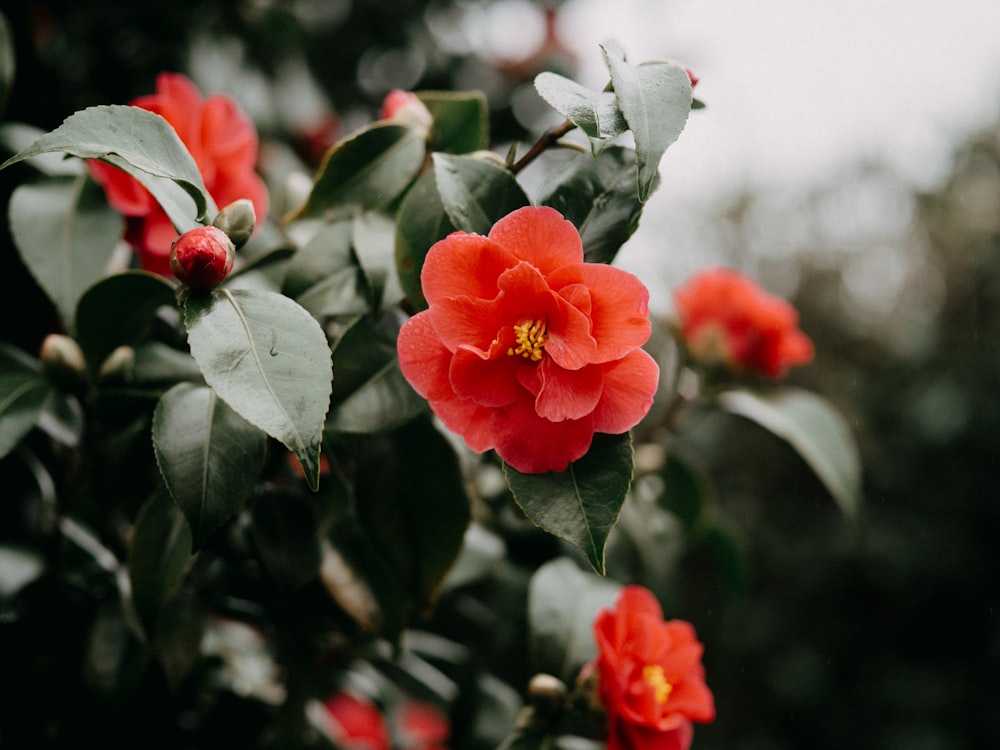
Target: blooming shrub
column 223, row 143
column 651, row 680
column 727, row 319
column 526, row 348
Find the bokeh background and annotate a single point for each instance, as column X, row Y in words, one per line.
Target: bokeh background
column 848, row 158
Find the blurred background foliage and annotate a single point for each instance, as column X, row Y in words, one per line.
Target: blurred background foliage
column 818, row 634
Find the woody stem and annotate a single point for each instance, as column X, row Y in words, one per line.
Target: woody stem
column 547, row 140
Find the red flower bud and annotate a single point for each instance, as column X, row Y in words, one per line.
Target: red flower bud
column 202, row 257
column 692, row 77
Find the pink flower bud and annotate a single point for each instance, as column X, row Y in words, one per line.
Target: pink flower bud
column 692, row 77
column 202, row 257
column 405, row 107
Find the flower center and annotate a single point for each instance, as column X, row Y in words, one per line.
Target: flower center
column 530, row 339
column 653, row 675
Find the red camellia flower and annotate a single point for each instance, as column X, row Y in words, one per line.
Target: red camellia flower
column 202, row 257
column 223, row 143
column 726, row 318
column 356, row 724
column 650, row 677
column 526, row 348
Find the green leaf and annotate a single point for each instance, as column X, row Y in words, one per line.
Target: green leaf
column 563, row 601
column 372, row 394
column 598, row 196
column 420, row 222
column 24, row 390
column 7, row 62
column 284, row 529
column 596, row 113
column 476, row 191
column 814, row 429
column 269, row 360
column 158, row 558
column 324, row 276
column 412, row 503
column 209, row 456
column 17, row 136
column 19, row 566
column 461, row 120
column 581, row 504
column 117, row 311
column 656, row 101
column 369, row 169
column 374, row 236
column 66, row 234
column 141, row 143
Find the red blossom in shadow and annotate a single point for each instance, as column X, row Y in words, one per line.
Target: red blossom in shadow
column 223, row 142
column 525, row 348
column 650, row 677
column 726, row 318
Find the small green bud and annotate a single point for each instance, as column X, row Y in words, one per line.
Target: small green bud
column 63, row 361
column 118, row 365
column 237, row 220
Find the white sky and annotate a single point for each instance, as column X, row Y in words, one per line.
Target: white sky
column 796, row 87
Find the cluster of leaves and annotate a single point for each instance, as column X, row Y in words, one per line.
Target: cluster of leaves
column 293, row 480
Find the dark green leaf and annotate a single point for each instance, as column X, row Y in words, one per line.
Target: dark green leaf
column 372, row 395
column 7, row 62
column 656, row 101
column 412, row 503
column 369, row 169
column 461, row 120
column 17, row 136
column 373, row 237
column 19, row 566
column 581, row 504
column 563, row 601
column 24, row 390
column 285, row 534
column 117, row 311
column 158, row 558
column 325, row 277
column 66, row 235
column 156, row 363
column 596, row 113
column 814, row 429
column 142, row 144
column 269, row 360
column 209, row 456
column 476, row 191
column 598, row 196
column 420, row 222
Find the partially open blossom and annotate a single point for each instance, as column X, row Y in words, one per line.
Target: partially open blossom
column 650, row 676
column 727, row 319
column 525, row 348
column 223, row 142
column 202, row 257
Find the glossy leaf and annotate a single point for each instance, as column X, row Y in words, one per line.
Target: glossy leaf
column 461, row 122
column 284, row 530
column 476, row 191
column 24, row 390
column 372, row 394
column 325, row 277
column 66, row 234
column 814, row 429
column 158, row 557
column 596, row 113
column 117, row 311
column 368, row 169
column 581, row 504
column 655, row 99
column 373, row 238
column 17, row 136
column 563, row 601
column 141, row 143
column 269, row 360
column 598, row 196
column 420, row 222
column 209, row 456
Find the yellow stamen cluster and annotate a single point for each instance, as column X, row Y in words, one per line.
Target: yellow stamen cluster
column 530, row 339
column 653, row 674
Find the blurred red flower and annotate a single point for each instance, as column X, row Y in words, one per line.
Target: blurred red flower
column 526, row 348
column 357, row 724
column 726, row 318
column 223, row 142
column 651, row 680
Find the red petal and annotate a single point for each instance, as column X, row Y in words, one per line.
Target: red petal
column 227, row 135
column 463, row 321
column 126, row 194
column 423, row 359
column 629, row 389
column 533, row 445
column 568, row 394
column 463, row 265
column 540, row 236
column 620, row 306
column 488, row 382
